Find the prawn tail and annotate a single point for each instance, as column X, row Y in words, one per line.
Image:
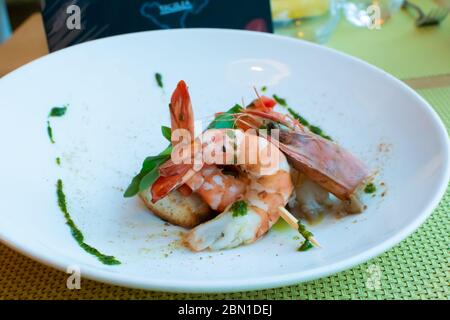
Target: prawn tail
column 181, row 113
column 182, row 117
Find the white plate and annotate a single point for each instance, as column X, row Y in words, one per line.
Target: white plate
column 113, row 122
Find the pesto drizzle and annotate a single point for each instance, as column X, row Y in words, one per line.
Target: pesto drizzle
column 58, row 161
column 76, row 233
column 55, row 112
column 50, row 132
column 159, row 81
column 58, row 111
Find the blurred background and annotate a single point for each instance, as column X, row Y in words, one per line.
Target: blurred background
column 409, row 39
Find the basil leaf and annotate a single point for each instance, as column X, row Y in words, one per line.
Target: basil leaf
column 148, row 179
column 150, row 164
column 225, row 120
column 58, row 111
column 166, row 132
column 133, row 188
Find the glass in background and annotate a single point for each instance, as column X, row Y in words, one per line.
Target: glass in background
column 312, row 20
column 358, row 13
column 5, row 26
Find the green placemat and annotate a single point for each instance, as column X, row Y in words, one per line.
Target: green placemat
column 417, row 268
column 399, row 47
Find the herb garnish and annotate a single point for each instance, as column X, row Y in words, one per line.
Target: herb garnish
column 226, row 120
column 50, row 132
column 58, row 111
column 264, row 89
column 370, row 188
column 302, row 230
column 305, row 246
column 76, row 233
column 314, row 129
column 55, row 112
column 150, row 167
column 58, row 161
column 167, row 133
column 298, row 117
column 159, row 81
column 148, row 174
column 280, row 101
column 239, row 208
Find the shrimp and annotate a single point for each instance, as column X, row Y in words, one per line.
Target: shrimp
column 209, row 182
column 216, row 188
column 269, row 187
column 181, row 117
column 322, row 161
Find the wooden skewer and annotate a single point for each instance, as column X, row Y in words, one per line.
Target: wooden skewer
column 293, row 222
column 257, row 93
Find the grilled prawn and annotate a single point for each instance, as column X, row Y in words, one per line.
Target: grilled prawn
column 269, row 186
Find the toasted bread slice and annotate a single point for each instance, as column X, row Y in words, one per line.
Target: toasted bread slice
column 185, row 211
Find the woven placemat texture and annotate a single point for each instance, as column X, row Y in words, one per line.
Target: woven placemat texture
column 417, row 268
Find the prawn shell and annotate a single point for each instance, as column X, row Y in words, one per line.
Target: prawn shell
column 324, row 162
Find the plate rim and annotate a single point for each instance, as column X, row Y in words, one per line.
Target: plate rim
column 265, row 282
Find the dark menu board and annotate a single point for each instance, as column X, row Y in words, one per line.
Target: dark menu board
column 68, row 22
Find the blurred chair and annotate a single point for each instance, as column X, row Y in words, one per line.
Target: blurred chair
column 5, row 26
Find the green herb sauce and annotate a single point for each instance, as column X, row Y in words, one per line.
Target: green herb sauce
column 76, row 233
column 281, row 226
column 50, row 132
column 159, row 80
column 302, row 230
column 239, row 208
column 370, row 188
column 314, row 129
column 55, row 112
column 58, row 111
column 305, row 246
column 264, row 89
column 280, row 101
column 58, row 161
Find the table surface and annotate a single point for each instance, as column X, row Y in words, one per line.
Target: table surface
column 416, row 268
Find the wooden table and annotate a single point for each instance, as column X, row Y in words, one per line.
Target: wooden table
column 26, row 44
